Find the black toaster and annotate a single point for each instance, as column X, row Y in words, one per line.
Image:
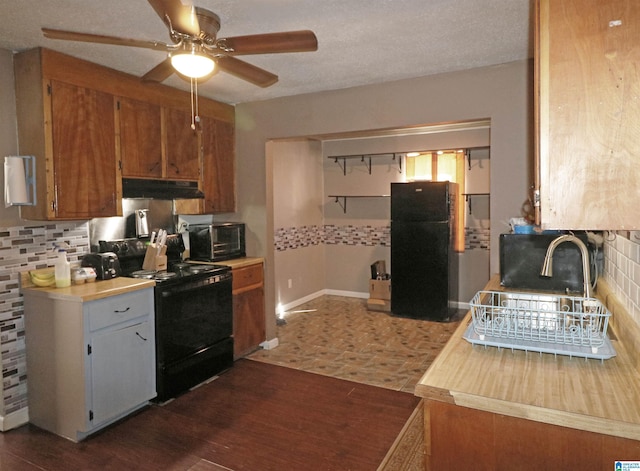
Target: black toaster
column 106, row 264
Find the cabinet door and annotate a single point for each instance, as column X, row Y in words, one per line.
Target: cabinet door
column 248, row 309
column 84, row 153
column 182, row 150
column 140, row 138
column 218, row 144
column 248, row 321
column 588, row 82
column 122, row 370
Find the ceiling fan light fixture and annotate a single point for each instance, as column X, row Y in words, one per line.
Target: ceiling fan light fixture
column 192, row 62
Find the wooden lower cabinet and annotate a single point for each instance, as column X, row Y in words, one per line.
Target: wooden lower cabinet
column 248, row 309
column 463, row 438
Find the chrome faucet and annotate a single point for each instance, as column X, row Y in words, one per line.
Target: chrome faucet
column 547, row 268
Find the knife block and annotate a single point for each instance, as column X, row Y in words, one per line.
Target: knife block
column 153, row 261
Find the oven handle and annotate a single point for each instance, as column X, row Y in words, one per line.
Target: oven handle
column 195, row 284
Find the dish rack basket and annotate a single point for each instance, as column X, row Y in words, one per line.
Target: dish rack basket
column 552, row 319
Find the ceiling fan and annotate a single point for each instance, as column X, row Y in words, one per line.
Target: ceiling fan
column 196, row 50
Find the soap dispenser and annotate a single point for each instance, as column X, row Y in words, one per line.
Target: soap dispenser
column 62, row 270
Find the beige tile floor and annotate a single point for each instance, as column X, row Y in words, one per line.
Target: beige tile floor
column 337, row 336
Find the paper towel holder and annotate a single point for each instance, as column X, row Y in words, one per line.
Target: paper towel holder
column 29, row 164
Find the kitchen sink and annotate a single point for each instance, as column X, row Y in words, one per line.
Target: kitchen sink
column 543, row 322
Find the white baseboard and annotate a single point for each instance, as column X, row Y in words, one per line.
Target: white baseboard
column 348, row 294
column 270, row 344
column 460, row 305
column 14, row 419
column 289, row 306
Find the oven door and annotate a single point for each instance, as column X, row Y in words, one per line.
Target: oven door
column 192, row 316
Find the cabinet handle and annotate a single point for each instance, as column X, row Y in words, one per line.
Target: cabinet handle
column 120, row 312
column 141, row 336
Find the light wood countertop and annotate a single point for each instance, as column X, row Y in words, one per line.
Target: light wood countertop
column 592, row 395
column 91, row 291
column 233, row 263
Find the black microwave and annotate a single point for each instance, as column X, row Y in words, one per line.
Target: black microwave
column 216, row 242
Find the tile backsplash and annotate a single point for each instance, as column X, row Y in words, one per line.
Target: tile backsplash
column 622, row 270
column 24, row 248
column 287, row 238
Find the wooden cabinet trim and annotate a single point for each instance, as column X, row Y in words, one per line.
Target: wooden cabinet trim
column 244, row 289
column 248, row 276
column 79, row 72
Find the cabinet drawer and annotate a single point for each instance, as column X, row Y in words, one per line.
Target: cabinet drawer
column 121, row 308
column 247, row 276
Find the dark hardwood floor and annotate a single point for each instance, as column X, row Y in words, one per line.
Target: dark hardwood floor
column 255, row 417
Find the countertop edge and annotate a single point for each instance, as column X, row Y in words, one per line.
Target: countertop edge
column 548, row 416
column 91, row 291
column 232, row 263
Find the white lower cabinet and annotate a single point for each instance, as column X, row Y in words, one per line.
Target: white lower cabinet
column 121, row 358
column 88, row 363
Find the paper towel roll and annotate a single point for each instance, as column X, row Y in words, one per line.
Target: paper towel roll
column 15, row 184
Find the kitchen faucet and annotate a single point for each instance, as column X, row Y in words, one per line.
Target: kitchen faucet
column 547, row 268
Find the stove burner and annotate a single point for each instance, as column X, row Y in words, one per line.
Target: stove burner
column 164, row 275
column 200, row 268
column 147, row 274
column 181, row 268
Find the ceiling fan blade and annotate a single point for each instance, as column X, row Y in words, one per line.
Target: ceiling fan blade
column 287, row 41
column 160, row 72
column 97, row 38
column 182, row 18
column 246, row 71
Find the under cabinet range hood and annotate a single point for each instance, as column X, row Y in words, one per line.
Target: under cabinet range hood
column 160, row 189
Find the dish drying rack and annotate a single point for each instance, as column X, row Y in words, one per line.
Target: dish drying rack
column 545, row 323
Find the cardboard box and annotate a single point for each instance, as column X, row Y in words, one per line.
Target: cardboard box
column 379, row 305
column 380, row 289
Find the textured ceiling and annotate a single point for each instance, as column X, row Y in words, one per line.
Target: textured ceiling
column 359, row 41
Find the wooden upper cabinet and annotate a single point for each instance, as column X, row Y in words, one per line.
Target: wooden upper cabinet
column 140, row 138
column 588, row 113
column 70, row 130
column 84, row 152
column 218, row 143
column 182, row 149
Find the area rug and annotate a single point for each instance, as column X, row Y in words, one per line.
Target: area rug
column 407, row 452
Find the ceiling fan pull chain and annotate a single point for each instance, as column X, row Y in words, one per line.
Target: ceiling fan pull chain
column 195, row 112
column 193, row 116
column 197, row 117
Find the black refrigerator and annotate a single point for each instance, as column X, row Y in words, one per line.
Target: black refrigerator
column 424, row 264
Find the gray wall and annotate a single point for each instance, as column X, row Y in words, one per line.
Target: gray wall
column 502, row 94
column 8, row 129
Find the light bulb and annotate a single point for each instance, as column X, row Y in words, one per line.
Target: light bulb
column 192, row 63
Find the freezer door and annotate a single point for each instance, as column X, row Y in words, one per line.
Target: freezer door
column 420, row 270
column 420, row 201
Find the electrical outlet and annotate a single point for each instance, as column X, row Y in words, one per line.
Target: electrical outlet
column 290, row 283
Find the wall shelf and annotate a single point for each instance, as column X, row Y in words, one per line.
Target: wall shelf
column 342, row 199
column 468, row 196
column 366, row 159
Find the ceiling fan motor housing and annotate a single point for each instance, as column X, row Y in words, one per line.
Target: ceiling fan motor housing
column 209, row 25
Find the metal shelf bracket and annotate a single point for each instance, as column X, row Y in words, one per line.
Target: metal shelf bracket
column 399, row 158
column 365, row 163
